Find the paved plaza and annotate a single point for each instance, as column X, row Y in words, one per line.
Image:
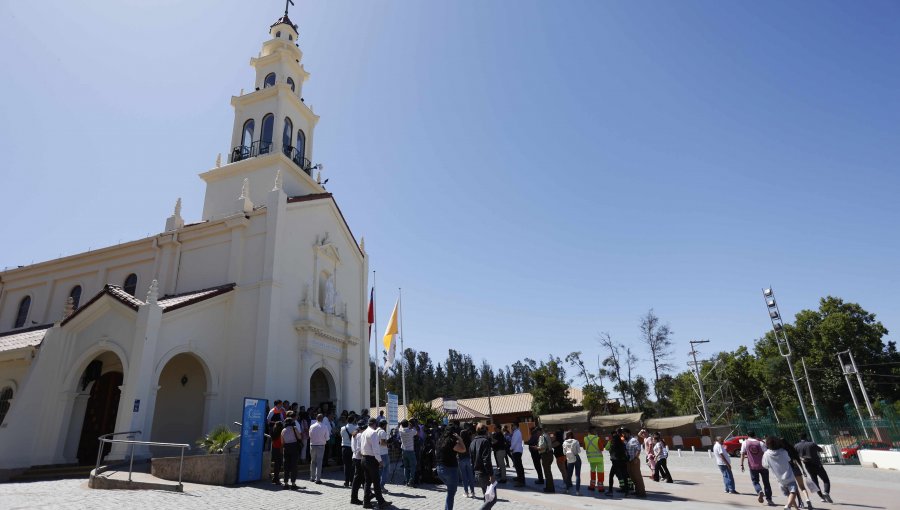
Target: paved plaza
column 698, row 486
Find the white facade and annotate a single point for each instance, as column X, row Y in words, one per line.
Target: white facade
column 262, row 296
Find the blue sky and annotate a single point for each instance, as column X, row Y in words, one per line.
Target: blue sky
column 530, row 173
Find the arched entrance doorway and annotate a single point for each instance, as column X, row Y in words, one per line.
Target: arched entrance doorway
column 101, row 379
column 321, row 390
column 180, row 401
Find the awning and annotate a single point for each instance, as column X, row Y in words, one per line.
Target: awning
column 617, row 420
column 576, row 418
column 670, row 422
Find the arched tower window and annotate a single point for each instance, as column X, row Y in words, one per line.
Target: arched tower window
column 290, row 81
column 286, row 136
column 301, row 145
column 278, row 33
column 130, row 285
column 75, row 294
column 265, row 138
column 22, row 313
column 247, row 134
column 6, row 395
column 269, row 81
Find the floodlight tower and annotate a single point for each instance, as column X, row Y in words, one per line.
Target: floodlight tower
column 784, row 348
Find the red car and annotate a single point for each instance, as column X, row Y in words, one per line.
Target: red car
column 733, row 444
column 851, row 451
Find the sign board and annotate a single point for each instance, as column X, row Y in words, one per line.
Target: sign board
column 137, row 405
column 450, row 406
column 253, row 428
column 392, row 415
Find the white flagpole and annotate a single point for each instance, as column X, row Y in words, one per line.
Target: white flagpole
column 402, row 350
column 377, row 348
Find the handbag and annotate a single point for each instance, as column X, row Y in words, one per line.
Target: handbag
column 490, row 496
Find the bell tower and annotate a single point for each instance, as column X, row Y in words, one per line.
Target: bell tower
column 273, row 129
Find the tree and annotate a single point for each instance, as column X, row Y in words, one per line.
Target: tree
column 593, row 395
column 640, row 392
column 630, row 364
column 818, row 335
column 551, row 388
column 656, row 336
column 615, row 367
column 423, row 412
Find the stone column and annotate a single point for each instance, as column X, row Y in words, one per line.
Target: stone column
column 303, row 377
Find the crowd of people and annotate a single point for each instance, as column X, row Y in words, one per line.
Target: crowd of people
column 470, row 455
column 788, row 464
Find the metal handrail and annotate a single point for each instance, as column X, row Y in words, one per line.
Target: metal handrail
column 263, row 147
column 103, row 440
column 104, row 436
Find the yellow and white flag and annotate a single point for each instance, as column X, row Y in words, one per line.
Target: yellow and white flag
column 390, row 340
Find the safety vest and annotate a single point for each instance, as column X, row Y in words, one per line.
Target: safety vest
column 592, row 447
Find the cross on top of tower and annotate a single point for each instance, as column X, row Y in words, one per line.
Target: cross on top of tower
column 285, row 19
column 286, row 3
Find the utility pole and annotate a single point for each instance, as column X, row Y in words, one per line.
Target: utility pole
column 772, row 406
column 700, row 379
column 784, row 348
column 846, row 370
column 811, row 395
column 862, row 388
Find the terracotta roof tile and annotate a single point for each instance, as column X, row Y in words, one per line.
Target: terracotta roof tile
column 175, row 302
column 29, row 337
column 284, row 19
column 168, row 303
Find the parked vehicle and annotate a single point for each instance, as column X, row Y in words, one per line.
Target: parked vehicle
column 852, row 451
column 733, row 444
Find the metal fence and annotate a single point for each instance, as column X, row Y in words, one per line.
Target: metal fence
column 839, row 437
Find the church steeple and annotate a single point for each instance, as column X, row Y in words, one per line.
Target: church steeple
column 273, row 126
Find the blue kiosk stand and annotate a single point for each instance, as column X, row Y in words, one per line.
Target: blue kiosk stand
column 253, row 429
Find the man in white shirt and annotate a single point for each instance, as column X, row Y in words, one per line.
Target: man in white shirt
column 723, row 460
column 359, row 474
column 346, row 433
column 383, row 450
column 318, row 436
column 372, row 462
column 516, row 447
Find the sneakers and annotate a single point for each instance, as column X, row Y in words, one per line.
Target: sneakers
column 809, row 504
column 770, row 502
column 761, row 497
column 827, row 497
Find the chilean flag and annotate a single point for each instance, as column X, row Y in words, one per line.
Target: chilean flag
column 371, row 311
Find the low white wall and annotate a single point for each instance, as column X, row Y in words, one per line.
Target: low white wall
column 880, row 459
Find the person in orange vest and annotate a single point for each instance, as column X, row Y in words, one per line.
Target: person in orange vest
column 595, row 458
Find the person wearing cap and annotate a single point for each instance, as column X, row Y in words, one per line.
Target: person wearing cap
column 372, row 463
column 359, row 471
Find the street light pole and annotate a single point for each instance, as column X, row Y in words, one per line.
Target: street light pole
column 784, row 348
column 809, row 384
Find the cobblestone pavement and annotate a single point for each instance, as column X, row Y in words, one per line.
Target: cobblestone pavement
column 698, row 486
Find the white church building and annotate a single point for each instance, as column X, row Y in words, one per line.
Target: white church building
column 265, row 296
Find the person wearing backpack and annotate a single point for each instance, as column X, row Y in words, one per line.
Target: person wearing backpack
column 753, row 449
column 572, row 450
